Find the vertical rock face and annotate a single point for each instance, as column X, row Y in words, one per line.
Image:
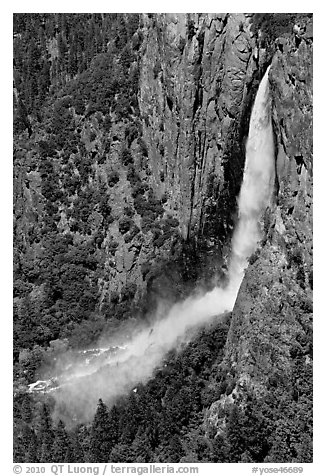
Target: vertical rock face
column 278, row 285
column 127, row 175
column 195, row 75
column 197, row 78
column 269, row 347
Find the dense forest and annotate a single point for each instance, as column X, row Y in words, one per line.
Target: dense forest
column 66, row 147
column 163, row 421
column 85, row 191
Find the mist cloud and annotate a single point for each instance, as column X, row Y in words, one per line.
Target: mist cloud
column 121, row 371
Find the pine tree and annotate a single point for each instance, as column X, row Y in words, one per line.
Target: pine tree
column 60, row 444
column 220, row 450
column 103, row 434
column 129, row 420
column 235, row 436
column 175, row 450
column 69, row 454
column 22, row 434
column 31, row 454
column 122, row 454
column 142, row 448
column 45, row 435
column 77, row 437
column 26, row 410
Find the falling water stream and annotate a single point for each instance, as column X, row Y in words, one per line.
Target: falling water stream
column 120, row 371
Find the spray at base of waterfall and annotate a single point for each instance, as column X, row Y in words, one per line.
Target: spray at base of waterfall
column 145, row 351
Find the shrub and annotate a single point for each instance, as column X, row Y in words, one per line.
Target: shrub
column 101, row 159
column 223, row 386
column 125, row 224
column 128, row 291
column 122, row 311
column 138, row 190
column 143, row 147
column 107, row 147
column 190, row 29
column 79, row 105
column 131, row 133
column 112, row 247
column 107, row 220
column 145, row 269
column 295, row 257
column 156, row 232
column 164, row 198
column 133, row 177
column 157, row 68
column 272, row 25
column 113, row 179
column 98, row 238
column 127, row 238
column 104, row 208
column 155, row 206
column 168, row 234
column 253, row 257
column 147, row 222
column 138, row 187
column 230, row 386
column 114, row 298
column 131, row 235
column 140, row 204
column 159, row 241
column 129, row 212
column 300, row 277
column 311, row 278
column 107, row 123
column 182, row 44
column 173, row 222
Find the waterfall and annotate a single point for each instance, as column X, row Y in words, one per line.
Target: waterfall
column 146, row 350
column 258, row 181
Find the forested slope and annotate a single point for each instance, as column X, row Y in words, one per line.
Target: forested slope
column 129, row 147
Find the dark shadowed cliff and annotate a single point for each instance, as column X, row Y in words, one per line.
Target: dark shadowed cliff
column 268, row 354
column 129, row 150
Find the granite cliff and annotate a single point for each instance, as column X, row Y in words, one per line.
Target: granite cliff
column 268, row 354
column 168, row 164
column 126, row 194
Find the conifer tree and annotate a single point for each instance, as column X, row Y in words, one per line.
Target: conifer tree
column 129, row 420
column 77, row 438
column 142, row 448
column 26, row 410
column 103, row 434
column 45, row 435
column 122, row 453
column 31, row 454
column 61, row 444
column 22, row 434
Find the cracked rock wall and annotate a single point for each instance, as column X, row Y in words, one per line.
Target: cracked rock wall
column 195, row 82
column 269, row 346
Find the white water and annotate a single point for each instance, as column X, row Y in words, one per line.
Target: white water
column 258, row 182
column 146, row 350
